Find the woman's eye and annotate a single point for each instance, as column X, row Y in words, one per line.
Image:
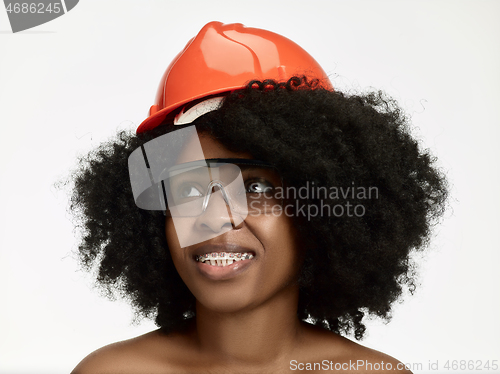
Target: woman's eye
column 260, row 186
column 189, row 191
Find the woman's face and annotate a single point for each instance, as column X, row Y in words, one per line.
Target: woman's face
column 272, row 239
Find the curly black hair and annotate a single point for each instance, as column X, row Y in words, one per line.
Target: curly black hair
column 354, row 264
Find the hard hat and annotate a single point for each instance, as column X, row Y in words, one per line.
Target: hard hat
column 224, row 58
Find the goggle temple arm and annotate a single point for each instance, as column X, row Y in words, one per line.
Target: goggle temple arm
column 161, row 187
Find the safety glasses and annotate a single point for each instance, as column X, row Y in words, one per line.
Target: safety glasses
column 246, row 186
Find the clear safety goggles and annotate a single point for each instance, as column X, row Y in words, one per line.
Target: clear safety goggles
column 246, row 186
column 170, row 173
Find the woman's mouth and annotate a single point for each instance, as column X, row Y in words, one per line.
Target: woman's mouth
column 223, row 265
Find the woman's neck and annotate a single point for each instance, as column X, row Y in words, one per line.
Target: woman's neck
column 254, row 335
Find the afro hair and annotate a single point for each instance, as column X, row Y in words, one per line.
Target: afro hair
column 355, row 264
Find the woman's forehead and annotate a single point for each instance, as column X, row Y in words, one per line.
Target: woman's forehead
column 203, row 146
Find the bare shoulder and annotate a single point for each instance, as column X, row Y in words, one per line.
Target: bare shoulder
column 153, row 352
column 367, row 360
column 339, row 354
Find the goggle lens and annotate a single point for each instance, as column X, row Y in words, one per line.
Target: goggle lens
column 247, row 189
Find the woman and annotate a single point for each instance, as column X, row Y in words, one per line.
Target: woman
column 262, row 214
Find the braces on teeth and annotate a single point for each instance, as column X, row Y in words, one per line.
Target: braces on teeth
column 223, row 258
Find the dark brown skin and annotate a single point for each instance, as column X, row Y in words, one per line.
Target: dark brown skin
column 245, row 324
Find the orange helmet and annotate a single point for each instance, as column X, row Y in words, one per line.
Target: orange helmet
column 224, row 58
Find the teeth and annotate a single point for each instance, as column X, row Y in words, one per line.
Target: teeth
column 223, row 258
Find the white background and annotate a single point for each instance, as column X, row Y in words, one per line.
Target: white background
column 67, row 85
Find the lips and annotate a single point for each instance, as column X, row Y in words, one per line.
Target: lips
column 214, row 272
